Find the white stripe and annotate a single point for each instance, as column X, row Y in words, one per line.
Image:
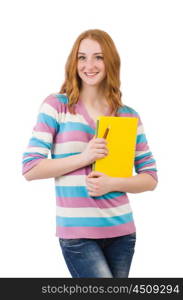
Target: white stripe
column 44, row 136
column 140, row 129
column 139, row 153
column 38, row 149
column 27, row 157
column 71, row 180
column 49, row 110
column 68, row 147
column 94, row 212
column 61, row 117
column 148, row 167
column 67, row 117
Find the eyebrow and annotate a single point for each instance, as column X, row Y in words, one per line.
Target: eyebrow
column 93, row 53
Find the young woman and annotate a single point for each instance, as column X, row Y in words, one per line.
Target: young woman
column 94, row 220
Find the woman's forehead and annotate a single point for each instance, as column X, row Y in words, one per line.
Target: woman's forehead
column 89, row 45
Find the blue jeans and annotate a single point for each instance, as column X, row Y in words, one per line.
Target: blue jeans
column 108, row 257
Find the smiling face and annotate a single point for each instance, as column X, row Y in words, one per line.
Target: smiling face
column 90, row 66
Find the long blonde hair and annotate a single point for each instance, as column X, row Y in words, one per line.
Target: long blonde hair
column 72, row 84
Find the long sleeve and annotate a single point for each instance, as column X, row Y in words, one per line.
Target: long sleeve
column 144, row 160
column 43, row 134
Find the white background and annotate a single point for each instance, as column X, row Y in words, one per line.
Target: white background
column 36, row 38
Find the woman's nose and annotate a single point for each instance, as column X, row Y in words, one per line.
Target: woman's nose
column 89, row 64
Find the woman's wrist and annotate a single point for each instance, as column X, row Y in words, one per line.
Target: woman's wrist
column 116, row 184
column 83, row 160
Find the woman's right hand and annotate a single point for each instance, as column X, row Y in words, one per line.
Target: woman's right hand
column 96, row 149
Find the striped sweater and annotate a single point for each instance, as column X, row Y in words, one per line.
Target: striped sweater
column 63, row 134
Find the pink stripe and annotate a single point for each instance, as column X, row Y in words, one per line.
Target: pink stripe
column 91, row 202
column 143, row 160
column 128, row 115
column 142, row 147
column 53, row 101
column 82, row 171
column 148, row 165
column 44, row 128
column 27, row 166
column 80, row 109
column 76, row 135
column 95, row 232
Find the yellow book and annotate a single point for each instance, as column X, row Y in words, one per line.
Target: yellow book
column 121, row 143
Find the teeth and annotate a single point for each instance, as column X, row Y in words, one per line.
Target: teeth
column 90, row 74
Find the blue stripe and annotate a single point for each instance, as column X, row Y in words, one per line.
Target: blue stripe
column 143, row 155
column 28, row 159
column 33, row 158
column 141, row 138
column 29, row 154
column 73, row 126
column 48, row 120
column 110, row 195
column 62, row 98
column 145, row 163
column 71, row 191
column 34, row 142
column 127, row 110
column 64, row 155
column 81, row 191
column 94, row 222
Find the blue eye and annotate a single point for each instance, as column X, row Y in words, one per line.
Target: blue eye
column 98, row 57
column 81, row 57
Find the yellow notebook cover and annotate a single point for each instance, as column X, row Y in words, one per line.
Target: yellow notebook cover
column 121, row 143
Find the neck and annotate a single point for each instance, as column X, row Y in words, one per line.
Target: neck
column 92, row 95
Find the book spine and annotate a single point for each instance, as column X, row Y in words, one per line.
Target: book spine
column 96, row 134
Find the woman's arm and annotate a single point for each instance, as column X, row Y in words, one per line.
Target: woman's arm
column 36, row 164
column 48, row 168
column 99, row 184
column 137, row 184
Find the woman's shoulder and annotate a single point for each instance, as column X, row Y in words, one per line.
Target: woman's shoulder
column 62, row 98
column 125, row 109
column 55, row 101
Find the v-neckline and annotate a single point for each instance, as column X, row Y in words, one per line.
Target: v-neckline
column 87, row 116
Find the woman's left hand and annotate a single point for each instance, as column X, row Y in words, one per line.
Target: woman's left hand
column 98, row 184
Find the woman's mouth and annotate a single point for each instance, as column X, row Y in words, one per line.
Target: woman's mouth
column 91, row 75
